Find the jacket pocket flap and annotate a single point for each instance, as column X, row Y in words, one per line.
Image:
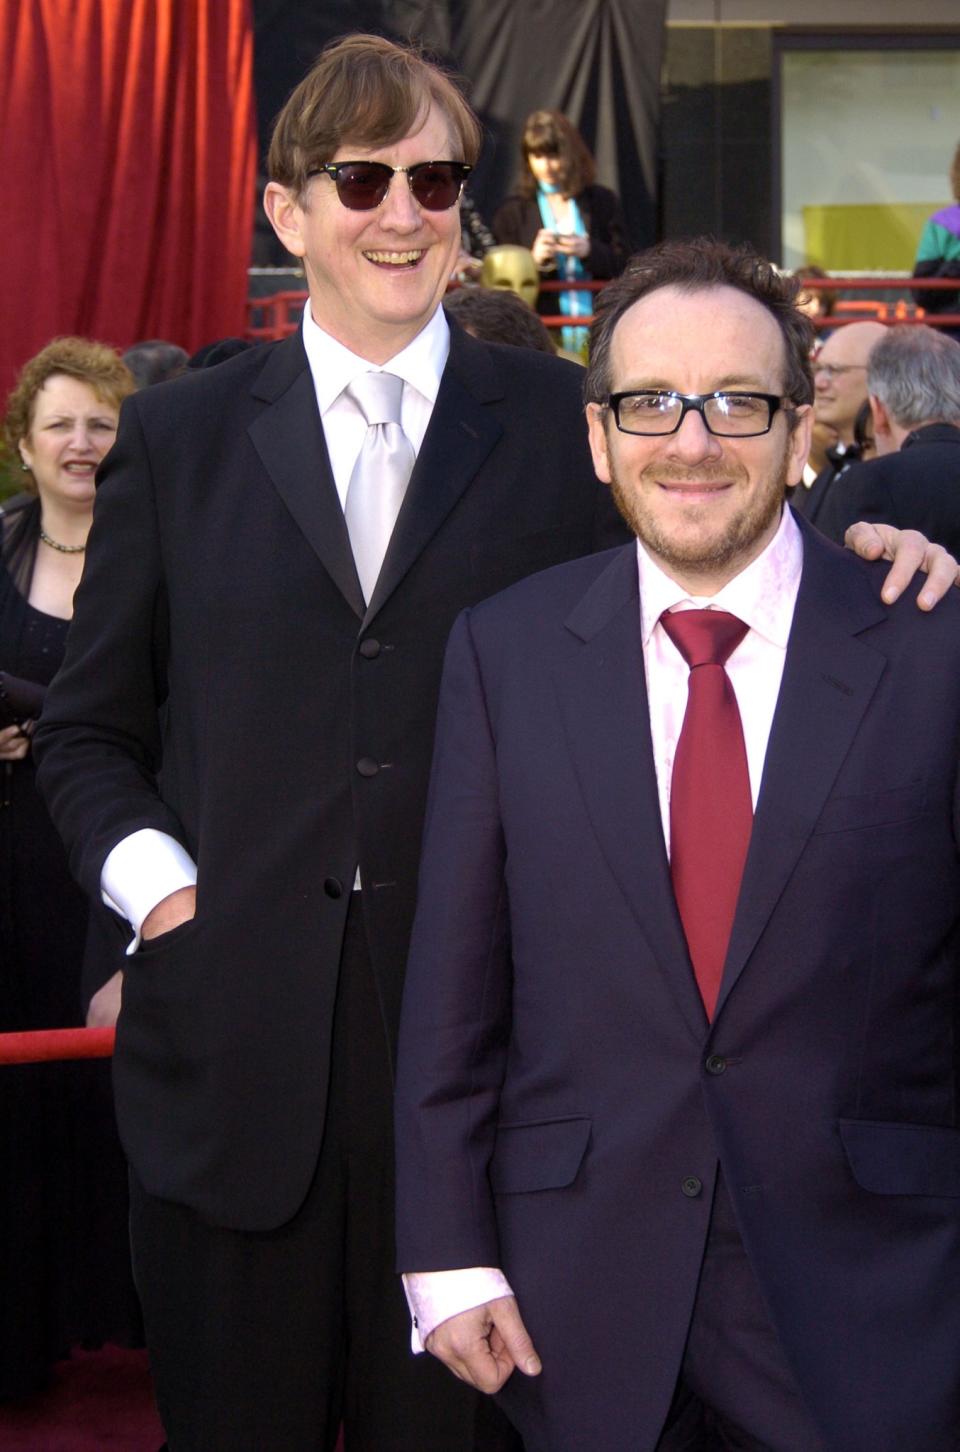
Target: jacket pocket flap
column 873, row 809
column 542, row 1156
column 888, row 1158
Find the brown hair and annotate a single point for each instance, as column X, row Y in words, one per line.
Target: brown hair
column 826, row 299
column 551, row 133
column 498, row 316
column 367, row 90
column 695, row 265
column 94, row 364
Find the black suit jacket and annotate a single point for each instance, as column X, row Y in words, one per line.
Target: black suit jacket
column 225, row 684
column 916, row 488
column 813, row 502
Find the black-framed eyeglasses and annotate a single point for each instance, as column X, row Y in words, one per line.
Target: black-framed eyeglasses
column 728, row 414
column 362, row 185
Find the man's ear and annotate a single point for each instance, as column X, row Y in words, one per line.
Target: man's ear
column 799, row 444
column 882, row 423
column 285, row 216
column 597, row 435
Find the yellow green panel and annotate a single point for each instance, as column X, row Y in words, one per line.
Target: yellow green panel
column 865, row 238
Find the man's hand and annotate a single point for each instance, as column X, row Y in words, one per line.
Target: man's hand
column 14, row 744
column 104, row 1007
column 910, row 551
column 485, row 1345
column 170, row 912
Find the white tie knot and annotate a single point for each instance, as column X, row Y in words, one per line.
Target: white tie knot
column 378, row 396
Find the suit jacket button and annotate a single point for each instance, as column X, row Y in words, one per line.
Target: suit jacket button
column 691, row 1186
column 369, row 648
column 716, row 1064
column 333, row 887
column 366, row 766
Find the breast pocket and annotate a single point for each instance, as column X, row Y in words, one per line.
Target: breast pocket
column 873, row 809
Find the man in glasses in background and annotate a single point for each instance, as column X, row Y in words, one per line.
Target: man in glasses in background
column 840, row 388
column 677, row 1059
column 238, row 752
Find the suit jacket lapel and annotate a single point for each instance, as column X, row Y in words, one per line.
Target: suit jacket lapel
column 288, row 436
column 460, row 435
column 603, row 701
column 828, row 681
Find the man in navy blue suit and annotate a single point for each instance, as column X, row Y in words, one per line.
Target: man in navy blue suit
column 658, row 1195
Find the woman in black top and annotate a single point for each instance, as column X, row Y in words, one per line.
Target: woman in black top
column 574, row 228
column 64, row 1265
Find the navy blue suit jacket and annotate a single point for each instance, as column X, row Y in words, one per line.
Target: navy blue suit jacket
column 563, row 1103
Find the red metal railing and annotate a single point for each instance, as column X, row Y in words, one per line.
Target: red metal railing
column 40, row 1046
column 278, row 315
column 902, row 310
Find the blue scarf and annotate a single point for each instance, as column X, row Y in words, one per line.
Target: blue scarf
column 572, row 304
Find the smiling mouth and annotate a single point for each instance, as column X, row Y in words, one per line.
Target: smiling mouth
column 406, row 259
column 80, row 466
column 694, row 488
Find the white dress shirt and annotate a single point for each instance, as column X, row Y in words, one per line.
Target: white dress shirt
column 764, row 596
column 149, row 865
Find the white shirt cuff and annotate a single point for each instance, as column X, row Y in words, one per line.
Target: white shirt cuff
column 141, row 871
column 435, row 1296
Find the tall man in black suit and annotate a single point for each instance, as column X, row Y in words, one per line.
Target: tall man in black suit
column 237, row 753
column 913, row 380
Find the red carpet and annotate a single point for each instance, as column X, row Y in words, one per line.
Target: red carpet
column 97, row 1401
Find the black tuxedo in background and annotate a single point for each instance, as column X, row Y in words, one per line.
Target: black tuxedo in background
column 814, row 503
column 918, row 487
column 225, row 684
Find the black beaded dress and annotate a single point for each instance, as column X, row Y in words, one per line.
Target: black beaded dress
column 64, row 1266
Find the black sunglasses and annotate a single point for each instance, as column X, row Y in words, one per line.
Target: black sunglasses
column 362, row 185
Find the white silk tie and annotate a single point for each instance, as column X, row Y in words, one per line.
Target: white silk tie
column 380, row 475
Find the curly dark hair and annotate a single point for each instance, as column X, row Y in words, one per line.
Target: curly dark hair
column 694, row 265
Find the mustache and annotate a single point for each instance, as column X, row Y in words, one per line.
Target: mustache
column 706, row 473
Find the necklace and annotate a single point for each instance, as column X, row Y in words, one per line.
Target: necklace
column 56, row 545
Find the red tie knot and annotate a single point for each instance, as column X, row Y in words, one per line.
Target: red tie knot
column 704, row 637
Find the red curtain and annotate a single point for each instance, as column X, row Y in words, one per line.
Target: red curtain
column 127, row 171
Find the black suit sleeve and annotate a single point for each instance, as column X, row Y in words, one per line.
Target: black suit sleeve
column 98, row 741
column 861, row 492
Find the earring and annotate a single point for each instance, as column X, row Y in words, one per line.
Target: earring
column 24, row 466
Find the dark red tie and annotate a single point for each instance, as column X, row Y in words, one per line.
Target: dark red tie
column 711, row 812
